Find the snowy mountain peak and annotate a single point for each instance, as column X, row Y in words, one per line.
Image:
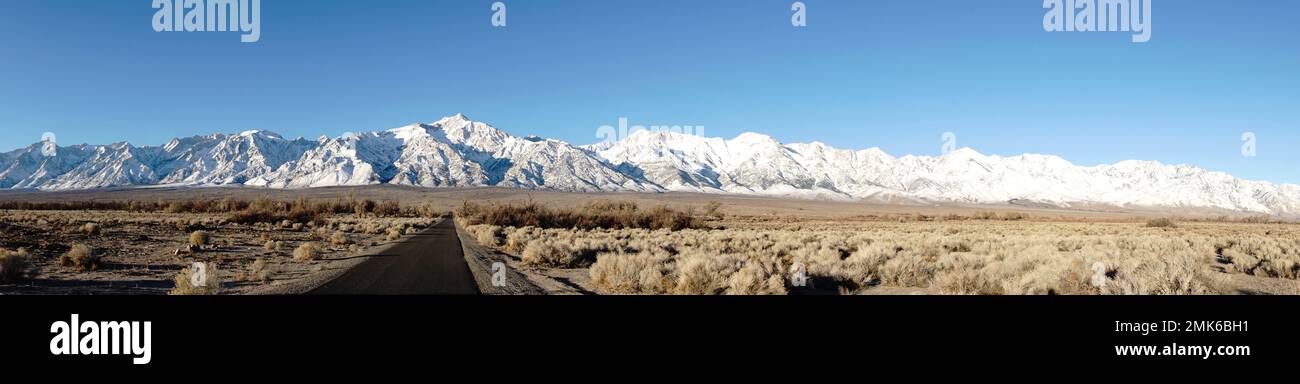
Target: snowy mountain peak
column 754, row 138
column 875, row 152
column 963, row 153
column 654, row 135
column 458, row 129
column 411, row 131
column 457, row 120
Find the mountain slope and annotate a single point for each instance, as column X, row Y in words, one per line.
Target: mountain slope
column 457, row 152
column 753, row 163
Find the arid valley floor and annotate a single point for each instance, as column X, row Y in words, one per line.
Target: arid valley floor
column 257, row 241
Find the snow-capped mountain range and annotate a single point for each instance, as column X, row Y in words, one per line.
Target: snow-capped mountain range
column 458, row 152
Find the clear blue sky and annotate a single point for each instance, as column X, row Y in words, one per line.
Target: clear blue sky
column 889, row 73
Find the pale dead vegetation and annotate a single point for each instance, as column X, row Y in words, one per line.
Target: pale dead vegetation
column 200, row 238
column 394, row 234
column 259, row 270
column 81, row 257
column 306, row 252
column 13, row 265
column 91, row 229
column 209, row 282
column 340, row 238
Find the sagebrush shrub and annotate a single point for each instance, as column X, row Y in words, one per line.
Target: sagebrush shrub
column 340, row 238
column 548, row 254
column 209, row 283
column 200, row 238
column 637, row 273
column 81, row 257
column 14, row 265
column 306, row 252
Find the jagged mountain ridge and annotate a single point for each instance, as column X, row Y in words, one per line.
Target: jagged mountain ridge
column 452, row 152
column 690, row 163
column 458, row 152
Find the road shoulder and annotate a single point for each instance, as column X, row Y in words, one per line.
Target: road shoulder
column 333, row 270
column 481, row 259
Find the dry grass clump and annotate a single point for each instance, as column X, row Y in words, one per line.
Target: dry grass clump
column 600, row 214
column 757, row 278
column 91, row 229
column 200, row 238
column 13, row 265
column 208, row 284
column 551, row 254
column 273, row 245
column 636, row 273
column 489, row 235
column 704, row 275
column 258, row 271
column 306, row 252
column 1162, row 222
column 340, row 238
column 394, row 234
column 81, row 257
column 518, row 238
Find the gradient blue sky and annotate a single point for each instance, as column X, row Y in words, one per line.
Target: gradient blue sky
column 889, row 73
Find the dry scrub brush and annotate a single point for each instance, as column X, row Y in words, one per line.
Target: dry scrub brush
column 258, row 271
column 200, row 238
column 306, row 252
column 1162, row 222
column 599, row 214
column 80, row 257
column 91, row 229
column 187, row 283
column 13, row 265
column 394, row 234
column 340, row 238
